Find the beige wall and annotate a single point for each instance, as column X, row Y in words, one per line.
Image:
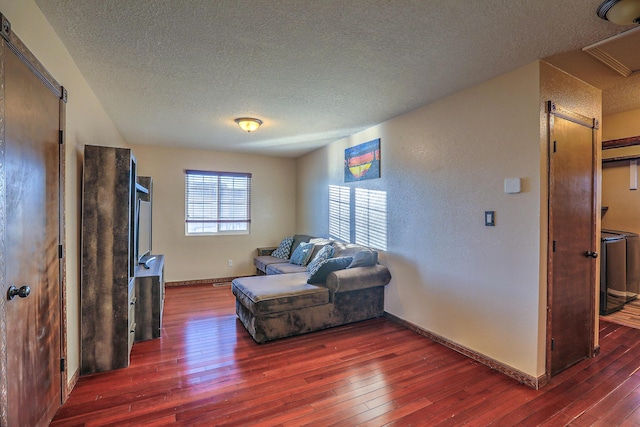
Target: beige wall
column 273, row 215
column 623, row 203
column 442, row 166
column 621, row 125
column 87, row 123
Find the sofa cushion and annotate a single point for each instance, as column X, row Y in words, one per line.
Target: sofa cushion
column 364, row 258
column 285, row 268
column 323, row 254
column 273, row 294
column 302, row 254
column 351, row 249
column 264, row 261
column 327, row 266
column 320, row 241
column 299, row 238
column 348, row 249
column 318, row 244
column 284, row 248
column 354, row 279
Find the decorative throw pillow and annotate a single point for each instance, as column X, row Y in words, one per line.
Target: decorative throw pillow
column 323, row 254
column 327, row 266
column 364, row 258
column 302, row 253
column 284, row 249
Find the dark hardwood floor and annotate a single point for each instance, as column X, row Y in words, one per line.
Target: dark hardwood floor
column 206, row 370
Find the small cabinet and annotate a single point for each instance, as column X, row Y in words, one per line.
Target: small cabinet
column 149, row 284
column 132, row 313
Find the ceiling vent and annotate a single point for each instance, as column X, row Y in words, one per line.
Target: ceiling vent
column 620, row 52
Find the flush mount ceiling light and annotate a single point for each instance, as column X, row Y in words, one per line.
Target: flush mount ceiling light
column 248, row 124
column 621, row 12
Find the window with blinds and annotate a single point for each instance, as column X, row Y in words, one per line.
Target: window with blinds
column 371, row 218
column 361, row 219
column 340, row 213
column 217, row 202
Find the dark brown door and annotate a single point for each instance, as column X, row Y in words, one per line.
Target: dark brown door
column 32, row 237
column 572, row 238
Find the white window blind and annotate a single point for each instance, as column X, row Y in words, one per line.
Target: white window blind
column 217, row 202
column 340, row 213
column 371, row 218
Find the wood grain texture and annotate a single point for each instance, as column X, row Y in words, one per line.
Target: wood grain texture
column 571, row 274
column 206, row 370
column 4, row 415
column 622, row 142
column 45, row 398
column 212, row 281
column 106, row 282
column 516, row 374
column 149, row 299
column 628, row 316
column 32, row 117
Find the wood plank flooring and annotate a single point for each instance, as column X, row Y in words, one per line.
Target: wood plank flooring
column 628, row 316
column 206, row 370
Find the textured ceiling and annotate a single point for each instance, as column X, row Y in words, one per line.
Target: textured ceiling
column 177, row 73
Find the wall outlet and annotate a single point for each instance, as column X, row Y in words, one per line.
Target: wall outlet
column 230, row 263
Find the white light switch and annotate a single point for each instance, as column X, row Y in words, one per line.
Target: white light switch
column 512, row 185
column 633, row 175
column 489, row 218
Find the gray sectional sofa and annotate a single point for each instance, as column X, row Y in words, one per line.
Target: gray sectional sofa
column 288, row 300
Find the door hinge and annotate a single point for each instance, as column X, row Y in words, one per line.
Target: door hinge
column 554, row 246
column 63, row 364
column 5, row 28
column 61, row 137
column 552, row 344
column 555, row 146
column 60, row 251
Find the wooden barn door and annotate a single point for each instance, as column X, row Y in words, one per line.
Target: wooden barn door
column 32, row 285
column 572, row 239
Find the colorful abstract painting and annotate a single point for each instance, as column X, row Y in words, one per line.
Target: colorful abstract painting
column 362, row 161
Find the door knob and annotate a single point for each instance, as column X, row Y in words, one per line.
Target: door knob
column 591, row 254
column 13, row 292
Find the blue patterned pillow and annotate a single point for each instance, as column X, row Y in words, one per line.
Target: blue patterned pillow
column 327, row 266
column 283, row 249
column 325, row 253
column 302, row 253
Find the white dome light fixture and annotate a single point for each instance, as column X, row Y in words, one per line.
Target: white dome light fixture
column 621, row 12
column 248, row 124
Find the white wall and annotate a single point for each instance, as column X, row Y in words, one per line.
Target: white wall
column 443, row 165
column 273, row 206
column 87, row 123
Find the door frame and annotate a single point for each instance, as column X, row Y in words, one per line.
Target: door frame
column 553, row 111
column 9, row 40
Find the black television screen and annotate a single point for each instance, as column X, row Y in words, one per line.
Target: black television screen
column 144, row 229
